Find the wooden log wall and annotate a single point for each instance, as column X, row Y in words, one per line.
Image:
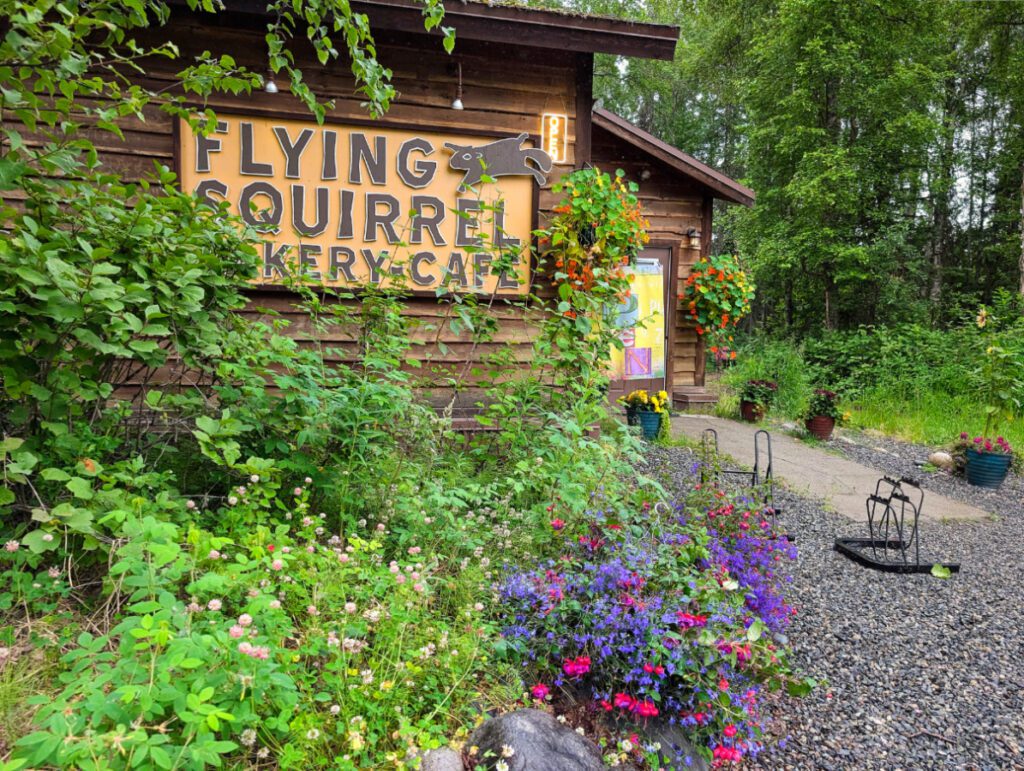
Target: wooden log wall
column 506, row 89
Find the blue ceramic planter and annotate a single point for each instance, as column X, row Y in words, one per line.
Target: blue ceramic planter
column 987, row 469
column 650, row 424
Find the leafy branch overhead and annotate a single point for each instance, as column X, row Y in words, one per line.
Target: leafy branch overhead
column 65, row 66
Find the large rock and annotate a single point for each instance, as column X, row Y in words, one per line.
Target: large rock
column 443, row 759
column 942, row 460
column 538, row 743
column 675, row 746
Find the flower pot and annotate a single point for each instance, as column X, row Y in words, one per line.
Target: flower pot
column 650, row 424
column 632, row 416
column 751, row 412
column 987, row 469
column 820, row 426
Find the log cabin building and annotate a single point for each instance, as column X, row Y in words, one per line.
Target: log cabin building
column 519, row 81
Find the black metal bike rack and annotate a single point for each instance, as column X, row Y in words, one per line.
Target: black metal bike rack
column 759, row 478
column 893, row 544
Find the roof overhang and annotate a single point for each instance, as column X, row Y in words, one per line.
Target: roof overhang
column 496, row 22
column 723, row 186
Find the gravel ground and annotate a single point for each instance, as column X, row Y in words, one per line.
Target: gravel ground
column 906, row 459
column 917, row 672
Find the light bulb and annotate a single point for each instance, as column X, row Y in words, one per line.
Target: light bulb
column 270, row 86
column 457, row 104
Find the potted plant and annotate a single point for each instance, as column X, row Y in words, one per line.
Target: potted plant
column 649, row 410
column 987, row 461
column 756, row 398
column 632, row 402
column 822, row 414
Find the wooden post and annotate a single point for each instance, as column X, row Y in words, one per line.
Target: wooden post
column 705, row 250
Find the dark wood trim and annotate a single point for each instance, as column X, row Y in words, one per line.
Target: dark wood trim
column 700, row 368
column 534, row 27
column 584, row 108
column 671, row 311
column 176, row 149
column 343, row 120
column 726, row 188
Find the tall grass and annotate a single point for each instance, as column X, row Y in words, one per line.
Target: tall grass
column 778, row 360
column 930, row 417
column 911, row 382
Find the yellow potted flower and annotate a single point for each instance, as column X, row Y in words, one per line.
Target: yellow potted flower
column 648, row 410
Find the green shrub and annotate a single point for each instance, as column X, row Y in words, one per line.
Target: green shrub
column 779, row 361
column 283, row 643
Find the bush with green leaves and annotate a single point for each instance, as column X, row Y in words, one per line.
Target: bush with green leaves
column 281, row 642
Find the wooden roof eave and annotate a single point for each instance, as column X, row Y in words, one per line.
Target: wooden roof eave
column 724, row 187
column 514, row 24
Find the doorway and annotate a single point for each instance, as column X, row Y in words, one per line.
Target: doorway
column 644, row 325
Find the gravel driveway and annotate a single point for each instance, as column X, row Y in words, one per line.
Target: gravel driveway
column 917, row 672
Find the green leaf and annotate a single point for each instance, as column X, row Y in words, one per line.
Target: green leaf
column 941, row 571
column 6, row 496
column 80, row 488
column 37, row 544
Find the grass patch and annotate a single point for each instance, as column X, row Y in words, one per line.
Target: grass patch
column 24, row 673
column 927, row 418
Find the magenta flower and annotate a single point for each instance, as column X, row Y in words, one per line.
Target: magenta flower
column 540, row 691
column 577, row 667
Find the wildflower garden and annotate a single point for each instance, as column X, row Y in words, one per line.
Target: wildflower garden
column 224, row 544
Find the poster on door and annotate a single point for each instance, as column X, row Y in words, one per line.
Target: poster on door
column 641, row 324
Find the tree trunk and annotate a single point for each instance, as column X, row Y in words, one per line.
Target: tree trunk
column 1021, row 261
column 941, row 188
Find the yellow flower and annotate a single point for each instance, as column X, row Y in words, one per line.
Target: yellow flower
column 982, row 318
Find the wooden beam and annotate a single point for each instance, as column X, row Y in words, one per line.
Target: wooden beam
column 529, row 27
column 584, row 107
column 673, row 157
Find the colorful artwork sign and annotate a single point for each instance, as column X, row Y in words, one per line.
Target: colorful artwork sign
column 351, row 206
column 641, row 323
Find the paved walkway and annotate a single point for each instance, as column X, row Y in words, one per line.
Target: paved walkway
column 807, row 470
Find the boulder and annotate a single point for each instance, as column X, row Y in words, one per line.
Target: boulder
column 538, row 743
column 942, row 460
column 443, row 759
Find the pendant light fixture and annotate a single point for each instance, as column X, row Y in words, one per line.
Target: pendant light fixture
column 270, row 86
column 457, row 101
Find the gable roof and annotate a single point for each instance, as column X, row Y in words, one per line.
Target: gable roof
column 723, row 186
column 504, row 22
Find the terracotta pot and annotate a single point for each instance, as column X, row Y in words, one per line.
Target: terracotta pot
column 820, row 427
column 751, row 412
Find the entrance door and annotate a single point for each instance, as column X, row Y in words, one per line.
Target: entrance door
column 643, row 326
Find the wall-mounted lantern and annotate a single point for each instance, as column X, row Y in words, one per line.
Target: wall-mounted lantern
column 554, row 128
column 694, row 235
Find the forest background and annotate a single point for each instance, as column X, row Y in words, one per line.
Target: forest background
column 884, row 142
